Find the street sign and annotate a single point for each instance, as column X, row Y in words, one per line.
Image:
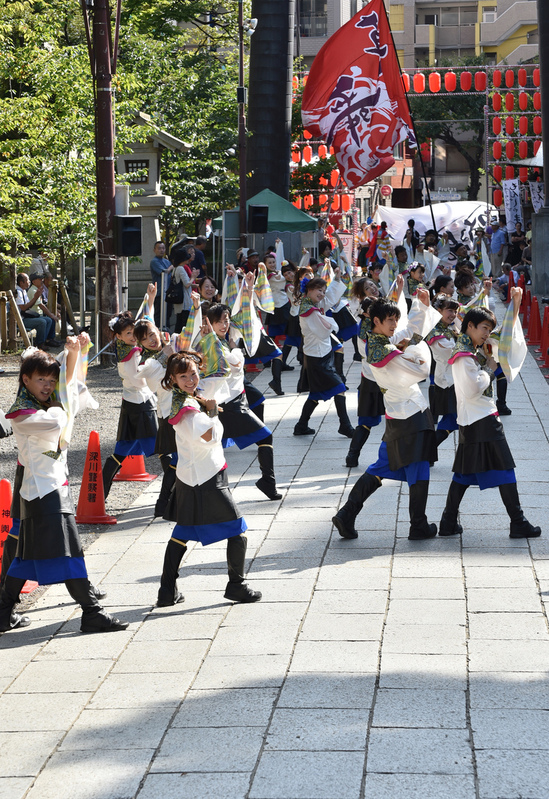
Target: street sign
column 386, row 190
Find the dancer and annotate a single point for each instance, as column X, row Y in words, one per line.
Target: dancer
column 138, row 425
column 483, row 456
column 409, row 443
column 441, row 340
column 323, row 380
column 201, row 505
column 49, row 549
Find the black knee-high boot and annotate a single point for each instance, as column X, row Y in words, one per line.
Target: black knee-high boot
column 449, row 524
column 520, row 526
column 168, row 593
column 344, row 520
column 360, row 437
column 275, row 383
column 267, row 481
column 259, row 411
column 501, row 391
column 419, row 526
column 112, row 466
column 345, row 426
column 94, row 618
column 168, row 482
column 9, row 597
column 441, row 435
column 286, row 349
column 338, row 364
column 357, row 356
column 8, row 554
column 237, row 590
column 302, row 427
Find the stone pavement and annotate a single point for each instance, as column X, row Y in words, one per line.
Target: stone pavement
column 372, row 669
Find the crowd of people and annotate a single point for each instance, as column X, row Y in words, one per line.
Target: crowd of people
column 186, row 397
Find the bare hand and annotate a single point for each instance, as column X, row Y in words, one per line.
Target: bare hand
column 423, row 296
column 195, row 296
column 151, row 291
column 262, row 266
column 516, row 296
column 337, row 272
column 72, row 344
column 249, row 277
column 84, row 340
column 210, row 404
column 230, row 269
column 168, row 350
column 206, row 327
column 487, row 286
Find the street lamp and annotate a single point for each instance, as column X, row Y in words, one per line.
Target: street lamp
column 245, row 27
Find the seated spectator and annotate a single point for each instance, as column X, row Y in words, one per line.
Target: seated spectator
column 501, row 284
column 32, row 320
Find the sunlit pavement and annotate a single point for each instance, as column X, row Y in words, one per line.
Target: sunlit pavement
column 377, row 668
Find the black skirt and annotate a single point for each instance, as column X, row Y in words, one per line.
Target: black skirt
column 346, row 322
column 370, row 398
column 279, row 317
column 442, row 401
column 320, row 377
column 266, row 351
column 138, row 420
column 483, row 447
column 293, row 328
column 240, row 425
column 165, row 438
column 209, row 503
column 15, row 510
column 410, row 440
column 48, row 529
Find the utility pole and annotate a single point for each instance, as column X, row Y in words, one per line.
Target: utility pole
column 540, row 221
column 97, row 21
column 242, row 150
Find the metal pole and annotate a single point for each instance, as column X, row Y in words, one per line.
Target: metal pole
column 82, row 271
column 241, row 97
column 162, row 319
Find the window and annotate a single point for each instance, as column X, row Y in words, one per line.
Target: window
column 138, row 166
column 397, row 17
column 468, row 16
column 313, row 18
column 449, row 16
column 431, row 19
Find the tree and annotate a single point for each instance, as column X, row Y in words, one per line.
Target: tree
column 445, row 116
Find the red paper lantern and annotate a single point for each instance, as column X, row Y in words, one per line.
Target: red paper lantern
column 308, row 200
column 335, row 203
column 305, row 78
column 419, row 82
column 509, row 173
column 509, row 101
column 406, row 81
column 498, row 173
column 334, row 177
column 496, row 101
column 496, row 125
column 522, row 77
column 323, row 199
column 537, row 126
column 523, row 126
column 480, row 81
column 450, row 81
column 523, row 174
column 509, row 125
column 296, row 156
column 307, row 135
column 295, row 83
column 297, row 202
column 537, row 101
column 510, row 150
column 345, row 202
column 509, row 78
column 307, row 153
column 498, row 197
column 496, row 78
column 465, row 81
column 523, row 101
column 523, row 149
column 322, row 151
column 537, row 145
column 434, row 81
column 496, row 150
column 535, row 76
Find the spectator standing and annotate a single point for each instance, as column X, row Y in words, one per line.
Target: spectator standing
column 158, row 265
column 496, row 248
column 199, row 260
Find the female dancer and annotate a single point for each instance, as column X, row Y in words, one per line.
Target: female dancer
column 441, row 340
column 201, row 505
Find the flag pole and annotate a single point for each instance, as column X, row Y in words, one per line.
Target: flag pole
column 413, row 123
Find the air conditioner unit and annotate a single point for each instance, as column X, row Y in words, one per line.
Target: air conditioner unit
column 489, row 16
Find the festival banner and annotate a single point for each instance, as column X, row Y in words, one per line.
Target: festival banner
column 511, row 199
column 537, row 195
column 354, row 98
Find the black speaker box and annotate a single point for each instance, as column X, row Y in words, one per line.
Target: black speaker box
column 258, row 218
column 127, row 235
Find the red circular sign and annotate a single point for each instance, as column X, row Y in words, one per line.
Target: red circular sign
column 386, row 191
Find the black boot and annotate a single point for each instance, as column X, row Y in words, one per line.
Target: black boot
column 9, row 597
column 449, row 524
column 112, row 466
column 441, row 435
column 267, row 481
column 168, row 482
column 167, row 593
column 8, row 554
column 286, row 349
column 360, row 437
column 275, row 383
column 345, row 426
column 501, row 390
column 357, row 356
column 520, row 527
column 419, row 526
column 302, row 427
column 344, row 520
column 94, row 618
column 237, row 590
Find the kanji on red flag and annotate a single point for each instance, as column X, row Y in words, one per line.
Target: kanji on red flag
column 354, row 98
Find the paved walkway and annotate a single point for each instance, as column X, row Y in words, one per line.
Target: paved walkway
column 376, row 668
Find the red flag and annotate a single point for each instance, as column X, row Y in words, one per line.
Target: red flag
column 354, row 98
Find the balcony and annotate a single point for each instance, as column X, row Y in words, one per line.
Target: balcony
column 521, row 13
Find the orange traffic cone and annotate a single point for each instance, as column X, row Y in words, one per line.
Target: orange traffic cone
column 133, row 470
column 7, row 524
column 534, row 326
column 91, row 502
column 510, row 285
column 526, row 310
column 544, row 335
column 252, row 368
